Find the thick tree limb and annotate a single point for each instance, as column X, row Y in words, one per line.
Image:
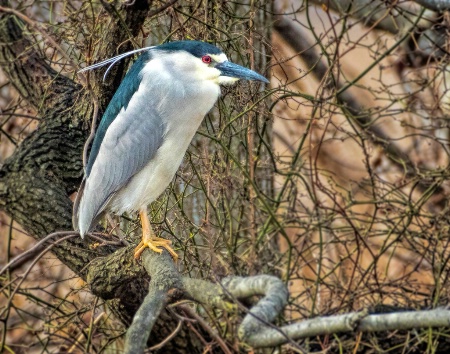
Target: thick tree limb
column 201, row 291
column 405, row 320
column 269, row 337
column 164, row 278
column 144, row 320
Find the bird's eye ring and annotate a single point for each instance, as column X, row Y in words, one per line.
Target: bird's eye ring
column 206, row 59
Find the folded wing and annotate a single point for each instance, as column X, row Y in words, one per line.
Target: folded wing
column 130, row 141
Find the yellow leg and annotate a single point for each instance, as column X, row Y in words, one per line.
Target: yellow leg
column 150, row 240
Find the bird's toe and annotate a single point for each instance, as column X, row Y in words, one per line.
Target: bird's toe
column 154, row 244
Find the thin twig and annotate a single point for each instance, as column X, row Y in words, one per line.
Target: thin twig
column 92, row 133
column 168, row 338
column 27, row 255
column 207, row 328
column 82, row 334
column 116, row 227
column 32, row 265
column 161, row 9
column 103, row 241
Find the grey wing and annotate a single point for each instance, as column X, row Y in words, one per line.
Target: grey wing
column 130, row 142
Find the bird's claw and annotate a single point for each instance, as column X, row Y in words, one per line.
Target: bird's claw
column 154, row 243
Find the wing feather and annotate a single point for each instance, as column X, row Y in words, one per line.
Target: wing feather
column 130, row 141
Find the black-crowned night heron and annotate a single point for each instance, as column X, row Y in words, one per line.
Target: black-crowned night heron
column 147, row 128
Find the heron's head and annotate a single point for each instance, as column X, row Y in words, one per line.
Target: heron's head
column 195, row 60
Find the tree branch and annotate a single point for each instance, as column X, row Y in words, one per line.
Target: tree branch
column 164, row 278
column 267, row 309
column 355, row 321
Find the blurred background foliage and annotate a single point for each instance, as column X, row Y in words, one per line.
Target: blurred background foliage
column 335, row 177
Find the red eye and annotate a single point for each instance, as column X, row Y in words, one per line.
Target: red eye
column 206, row 59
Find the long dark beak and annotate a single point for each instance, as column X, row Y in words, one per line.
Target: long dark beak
column 227, row 68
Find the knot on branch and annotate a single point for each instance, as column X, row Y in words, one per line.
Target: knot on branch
column 354, row 321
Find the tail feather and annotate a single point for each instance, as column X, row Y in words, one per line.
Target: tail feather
column 76, row 211
column 86, row 210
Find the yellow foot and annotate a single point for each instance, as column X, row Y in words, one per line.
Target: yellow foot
column 153, row 243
